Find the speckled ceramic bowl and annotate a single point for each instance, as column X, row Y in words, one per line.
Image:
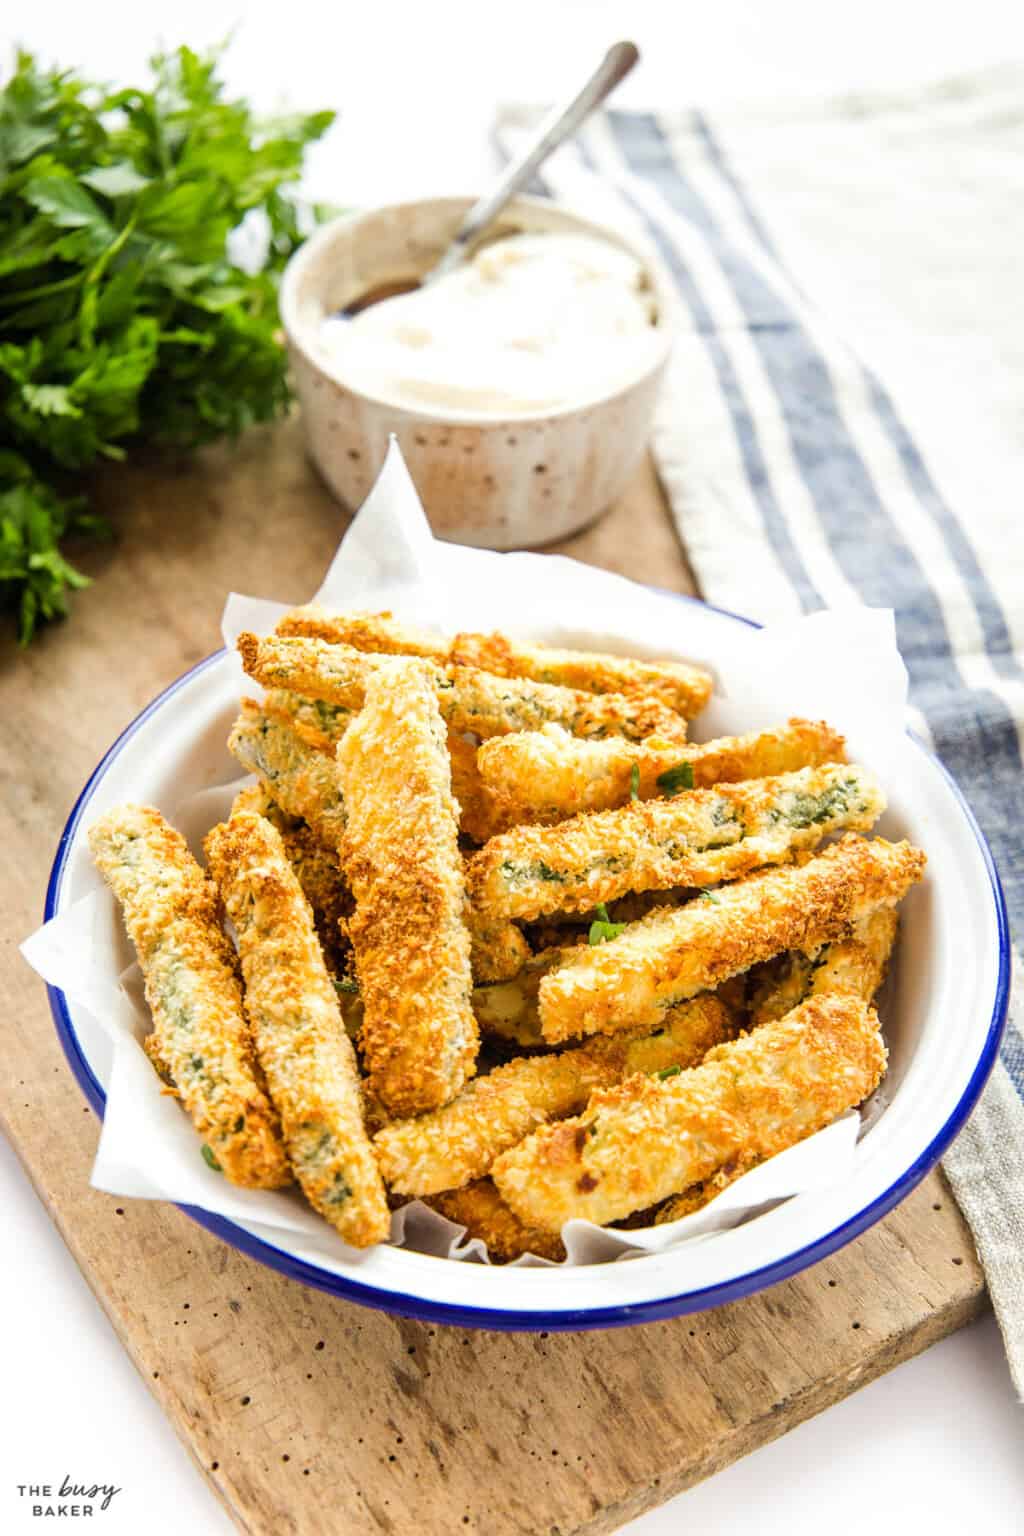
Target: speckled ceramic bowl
column 502, row 483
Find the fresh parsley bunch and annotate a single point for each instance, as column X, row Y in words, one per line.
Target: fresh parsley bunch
column 122, row 317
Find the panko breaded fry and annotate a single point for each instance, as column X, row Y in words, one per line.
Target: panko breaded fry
column 319, row 724
column 696, row 839
column 403, row 865
column 628, row 981
column 470, row 700
column 300, row 1039
column 547, row 775
column 647, row 1139
column 301, row 780
column 699, row 1195
column 380, row 632
column 200, row 1036
column 459, row 1143
column 676, row 684
column 318, row 869
column 680, row 686
column 856, row 963
column 481, row 1210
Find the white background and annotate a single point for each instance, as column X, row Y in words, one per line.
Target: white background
column 939, row 1440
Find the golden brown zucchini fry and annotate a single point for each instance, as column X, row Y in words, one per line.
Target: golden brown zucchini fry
column 458, row 1143
column 546, row 775
column 481, row 1210
column 856, row 963
column 380, row 632
column 402, row 862
column 301, row 780
column 647, row 1139
column 200, row 1036
column 696, row 839
column 676, row 684
column 300, row 1039
column 470, row 700
column 628, row 981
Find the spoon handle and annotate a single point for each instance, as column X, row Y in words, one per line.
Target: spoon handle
column 561, row 124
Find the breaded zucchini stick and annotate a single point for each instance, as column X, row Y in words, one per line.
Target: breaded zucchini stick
column 300, row 1039
column 301, row 780
column 856, row 963
column 547, row 775
column 380, row 632
column 402, row 861
column 647, row 1139
column 319, row 724
column 628, row 981
column 696, row 839
column 200, row 1036
column 699, row 1195
column 459, row 1143
column 681, row 687
column 481, row 813
column 481, row 1210
column 470, row 700
column 676, row 684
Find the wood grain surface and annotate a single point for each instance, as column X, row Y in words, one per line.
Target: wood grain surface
column 306, row 1414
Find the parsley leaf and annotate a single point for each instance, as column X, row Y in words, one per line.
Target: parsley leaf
column 634, row 782
column 602, row 928
column 124, row 317
column 209, row 1158
column 674, row 779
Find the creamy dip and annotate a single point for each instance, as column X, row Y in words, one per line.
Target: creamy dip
column 532, row 323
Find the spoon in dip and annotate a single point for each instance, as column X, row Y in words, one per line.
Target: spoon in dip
column 560, row 125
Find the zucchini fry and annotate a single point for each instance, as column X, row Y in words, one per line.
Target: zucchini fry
column 547, row 775
column 301, row 780
column 200, row 1038
column 481, row 813
column 380, row 632
column 456, row 1144
column 470, row 700
column 677, row 685
column 856, row 963
column 646, row 1139
column 629, row 980
column 300, row 1038
column 481, row 1210
column 696, row 839
column 402, row 861
column 319, row 724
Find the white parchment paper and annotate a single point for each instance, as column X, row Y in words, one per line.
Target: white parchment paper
column 843, row 666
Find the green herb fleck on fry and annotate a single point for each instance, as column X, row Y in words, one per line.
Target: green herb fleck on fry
column 667, row 1072
column 602, row 928
column 209, row 1159
column 634, row 782
column 675, row 779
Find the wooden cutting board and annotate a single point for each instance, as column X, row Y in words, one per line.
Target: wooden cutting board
column 306, row 1414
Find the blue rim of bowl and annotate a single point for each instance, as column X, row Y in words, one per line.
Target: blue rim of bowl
column 501, row 1320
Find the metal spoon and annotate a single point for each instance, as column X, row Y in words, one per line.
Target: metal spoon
column 558, row 126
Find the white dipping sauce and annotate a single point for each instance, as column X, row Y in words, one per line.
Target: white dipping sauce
column 533, row 323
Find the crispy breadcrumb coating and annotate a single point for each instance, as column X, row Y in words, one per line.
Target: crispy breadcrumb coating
column 301, row 780
column 200, row 1039
column 856, row 963
column 677, row 685
column 470, row 700
column 481, row 1210
column 681, row 687
column 403, row 865
column 699, row 1195
column 544, row 776
column 671, row 955
column 380, row 632
column 696, row 839
column 646, row 1139
column 319, row 724
column 300, row 1038
column 459, row 1143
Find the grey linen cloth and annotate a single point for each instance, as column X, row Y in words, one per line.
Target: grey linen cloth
column 842, row 424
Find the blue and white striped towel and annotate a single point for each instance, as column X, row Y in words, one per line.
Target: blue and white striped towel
column 794, row 475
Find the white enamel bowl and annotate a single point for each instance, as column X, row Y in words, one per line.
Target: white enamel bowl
column 943, row 1022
